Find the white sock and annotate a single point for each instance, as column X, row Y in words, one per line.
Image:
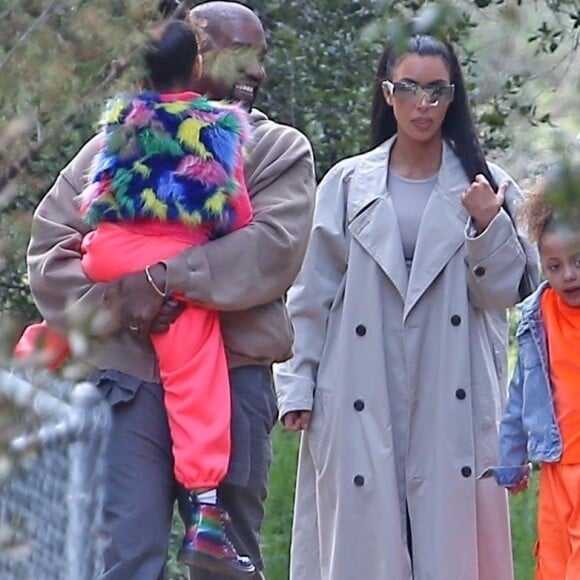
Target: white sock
column 208, row 497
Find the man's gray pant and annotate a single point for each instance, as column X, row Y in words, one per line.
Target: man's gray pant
column 141, row 489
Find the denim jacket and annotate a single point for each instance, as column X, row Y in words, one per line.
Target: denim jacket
column 529, row 430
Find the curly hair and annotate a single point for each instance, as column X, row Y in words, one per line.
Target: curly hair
column 536, row 213
column 553, row 201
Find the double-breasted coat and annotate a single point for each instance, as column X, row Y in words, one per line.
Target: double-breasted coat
column 406, row 377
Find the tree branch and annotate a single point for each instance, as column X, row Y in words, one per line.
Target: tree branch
column 117, row 68
column 43, row 16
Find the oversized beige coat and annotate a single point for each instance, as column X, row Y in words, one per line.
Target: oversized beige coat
column 406, row 376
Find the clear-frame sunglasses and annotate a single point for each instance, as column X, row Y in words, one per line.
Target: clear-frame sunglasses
column 410, row 92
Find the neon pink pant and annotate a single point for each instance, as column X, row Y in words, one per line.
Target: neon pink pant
column 192, row 360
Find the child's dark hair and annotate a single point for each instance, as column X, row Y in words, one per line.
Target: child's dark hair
column 169, row 54
column 458, row 127
column 174, row 9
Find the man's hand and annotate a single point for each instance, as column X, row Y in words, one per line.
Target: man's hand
column 296, row 420
column 170, row 310
column 143, row 310
column 482, row 202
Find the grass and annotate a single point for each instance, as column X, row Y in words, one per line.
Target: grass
column 523, row 516
column 277, row 528
column 278, row 524
column 523, row 506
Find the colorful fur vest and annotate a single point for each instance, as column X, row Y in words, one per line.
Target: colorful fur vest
column 170, row 161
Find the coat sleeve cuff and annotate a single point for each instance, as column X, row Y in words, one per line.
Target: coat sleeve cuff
column 499, row 235
column 294, row 393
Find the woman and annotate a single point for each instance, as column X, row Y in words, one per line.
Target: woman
column 401, row 336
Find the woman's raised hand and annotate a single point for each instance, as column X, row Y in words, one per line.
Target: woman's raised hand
column 482, row 202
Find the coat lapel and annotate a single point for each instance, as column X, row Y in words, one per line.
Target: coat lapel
column 442, row 229
column 373, row 222
column 372, row 218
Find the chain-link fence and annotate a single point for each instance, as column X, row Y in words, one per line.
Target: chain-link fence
column 51, row 503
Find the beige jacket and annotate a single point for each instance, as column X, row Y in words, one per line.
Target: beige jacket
column 244, row 274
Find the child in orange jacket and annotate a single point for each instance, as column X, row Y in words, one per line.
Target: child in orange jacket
column 542, row 417
column 169, row 175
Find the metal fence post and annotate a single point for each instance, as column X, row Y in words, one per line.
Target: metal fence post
column 81, row 506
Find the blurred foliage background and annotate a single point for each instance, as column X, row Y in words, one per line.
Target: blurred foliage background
column 59, row 59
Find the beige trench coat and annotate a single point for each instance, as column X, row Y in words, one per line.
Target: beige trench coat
column 406, row 376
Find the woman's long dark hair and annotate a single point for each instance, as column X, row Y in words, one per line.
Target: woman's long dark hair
column 458, row 127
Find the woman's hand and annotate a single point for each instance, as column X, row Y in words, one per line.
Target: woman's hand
column 482, row 202
column 296, row 420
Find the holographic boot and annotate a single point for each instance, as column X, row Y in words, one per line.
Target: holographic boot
column 207, row 545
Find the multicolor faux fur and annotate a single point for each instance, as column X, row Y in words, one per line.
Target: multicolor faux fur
column 172, row 161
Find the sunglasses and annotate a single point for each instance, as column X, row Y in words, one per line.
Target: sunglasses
column 411, row 92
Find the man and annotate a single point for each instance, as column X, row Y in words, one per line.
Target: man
column 244, row 275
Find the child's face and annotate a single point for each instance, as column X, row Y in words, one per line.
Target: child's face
column 560, row 258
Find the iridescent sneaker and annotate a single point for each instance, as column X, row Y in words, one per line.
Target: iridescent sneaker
column 207, row 545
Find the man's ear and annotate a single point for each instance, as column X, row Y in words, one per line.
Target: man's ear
column 197, row 67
